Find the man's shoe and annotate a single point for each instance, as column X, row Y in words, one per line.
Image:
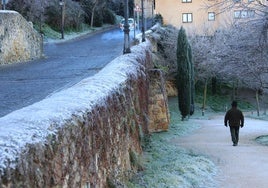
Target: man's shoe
column 235, row 144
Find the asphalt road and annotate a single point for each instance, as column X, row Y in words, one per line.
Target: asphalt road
column 64, row 64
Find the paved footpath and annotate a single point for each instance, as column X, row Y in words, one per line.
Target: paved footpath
column 243, row 166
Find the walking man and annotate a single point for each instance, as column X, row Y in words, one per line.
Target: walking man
column 235, row 118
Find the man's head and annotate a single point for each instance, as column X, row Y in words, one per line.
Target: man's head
column 234, row 104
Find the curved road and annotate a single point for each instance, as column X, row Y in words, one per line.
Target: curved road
column 65, row 64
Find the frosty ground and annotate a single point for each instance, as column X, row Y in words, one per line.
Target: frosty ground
column 199, row 153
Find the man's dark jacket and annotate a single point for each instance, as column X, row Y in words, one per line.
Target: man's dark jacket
column 235, row 117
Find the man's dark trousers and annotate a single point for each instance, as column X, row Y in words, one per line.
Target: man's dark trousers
column 234, row 134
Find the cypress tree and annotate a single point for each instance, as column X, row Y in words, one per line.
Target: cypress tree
column 185, row 78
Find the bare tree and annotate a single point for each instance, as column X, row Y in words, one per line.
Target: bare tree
column 238, row 54
column 91, row 7
column 31, row 10
column 222, row 6
column 166, row 38
column 36, row 12
column 94, row 6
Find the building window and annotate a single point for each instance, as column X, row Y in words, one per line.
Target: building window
column 250, row 14
column 211, row 16
column 187, row 17
column 186, row 1
column 237, row 13
column 241, row 14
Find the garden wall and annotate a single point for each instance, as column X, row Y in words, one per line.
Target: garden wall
column 88, row 135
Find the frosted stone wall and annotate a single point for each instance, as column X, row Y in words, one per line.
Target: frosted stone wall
column 89, row 135
column 86, row 135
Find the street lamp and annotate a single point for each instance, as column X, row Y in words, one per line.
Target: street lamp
column 126, row 29
column 62, row 18
column 153, row 7
column 4, row 4
column 142, row 21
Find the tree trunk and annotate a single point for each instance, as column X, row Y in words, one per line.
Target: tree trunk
column 258, row 102
column 93, row 12
column 192, row 81
column 204, row 98
column 264, row 105
column 233, row 91
column 92, row 18
column 214, row 85
column 40, row 23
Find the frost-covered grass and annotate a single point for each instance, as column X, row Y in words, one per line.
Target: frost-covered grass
column 51, row 35
column 168, row 165
column 262, row 140
column 221, row 102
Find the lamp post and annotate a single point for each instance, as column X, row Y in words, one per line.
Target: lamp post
column 142, row 21
column 153, row 3
column 4, row 4
column 62, row 18
column 126, row 29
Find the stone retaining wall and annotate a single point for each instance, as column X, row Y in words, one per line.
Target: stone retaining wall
column 88, row 135
column 19, row 42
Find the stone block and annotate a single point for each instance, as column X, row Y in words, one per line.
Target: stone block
column 158, row 102
column 19, row 42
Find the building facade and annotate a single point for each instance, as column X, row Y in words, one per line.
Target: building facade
column 203, row 17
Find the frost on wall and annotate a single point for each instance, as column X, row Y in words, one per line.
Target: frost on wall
column 80, row 136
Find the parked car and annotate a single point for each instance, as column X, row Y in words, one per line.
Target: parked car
column 131, row 22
